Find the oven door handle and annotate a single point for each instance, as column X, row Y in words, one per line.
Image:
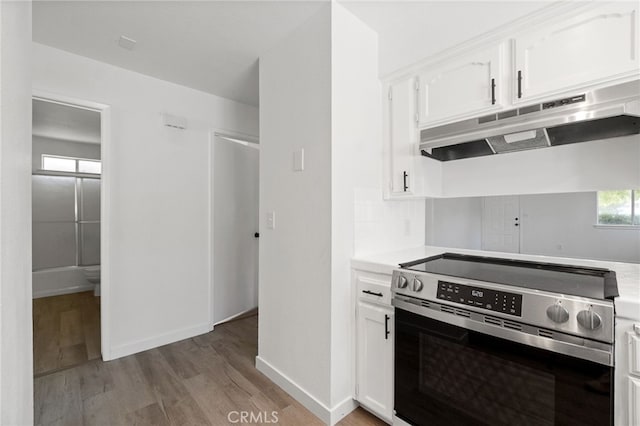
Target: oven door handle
column 600, row 355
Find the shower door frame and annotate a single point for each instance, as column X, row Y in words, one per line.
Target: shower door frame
column 105, row 206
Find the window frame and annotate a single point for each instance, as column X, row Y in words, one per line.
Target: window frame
column 632, row 225
column 76, row 161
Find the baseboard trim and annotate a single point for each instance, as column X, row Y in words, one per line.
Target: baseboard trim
column 329, row 416
column 156, row 341
column 37, row 294
column 236, row 316
column 342, row 410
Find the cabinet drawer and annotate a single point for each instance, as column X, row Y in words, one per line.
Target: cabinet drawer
column 634, row 350
column 374, row 288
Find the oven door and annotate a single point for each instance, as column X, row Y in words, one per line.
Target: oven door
column 449, row 375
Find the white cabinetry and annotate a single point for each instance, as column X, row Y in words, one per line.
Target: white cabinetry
column 627, row 372
column 633, row 341
column 401, row 135
column 468, row 85
column 595, row 46
column 374, row 344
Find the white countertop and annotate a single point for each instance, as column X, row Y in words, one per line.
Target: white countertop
column 627, row 274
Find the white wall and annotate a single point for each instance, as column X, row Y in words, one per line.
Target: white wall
column 16, row 368
column 295, row 257
column 562, row 225
column 159, row 219
column 550, row 224
column 454, row 222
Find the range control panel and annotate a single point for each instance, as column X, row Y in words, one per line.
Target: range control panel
column 498, row 301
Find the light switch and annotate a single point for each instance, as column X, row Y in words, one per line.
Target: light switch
column 298, row 160
column 271, row 220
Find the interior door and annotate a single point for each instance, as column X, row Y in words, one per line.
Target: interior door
column 235, row 223
column 501, row 224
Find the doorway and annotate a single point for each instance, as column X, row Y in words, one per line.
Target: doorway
column 235, row 193
column 501, row 224
column 67, row 220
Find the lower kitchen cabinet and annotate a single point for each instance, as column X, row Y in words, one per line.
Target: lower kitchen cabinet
column 627, row 375
column 633, row 340
column 374, row 362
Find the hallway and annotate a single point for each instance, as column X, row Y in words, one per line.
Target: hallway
column 194, row 381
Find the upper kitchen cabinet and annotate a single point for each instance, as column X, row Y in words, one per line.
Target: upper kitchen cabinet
column 401, row 133
column 596, row 46
column 467, row 85
column 406, row 173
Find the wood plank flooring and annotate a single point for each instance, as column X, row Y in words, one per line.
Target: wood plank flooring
column 196, row 381
column 66, row 331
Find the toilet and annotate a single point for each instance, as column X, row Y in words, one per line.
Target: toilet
column 92, row 274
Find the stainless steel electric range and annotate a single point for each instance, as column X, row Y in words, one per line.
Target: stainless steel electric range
column 492, row 341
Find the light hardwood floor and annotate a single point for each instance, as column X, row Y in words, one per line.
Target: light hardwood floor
column 66, row 331
column 196, row 381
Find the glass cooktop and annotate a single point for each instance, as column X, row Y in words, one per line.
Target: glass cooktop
column 580, row 281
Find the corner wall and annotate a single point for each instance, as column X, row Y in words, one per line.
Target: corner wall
column 295, row 258
column 319, row 90
column 16, row 347
column 159, row 188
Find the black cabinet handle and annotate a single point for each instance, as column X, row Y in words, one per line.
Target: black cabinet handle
column 404, row 178
column 256, row 235
column 493, row 91
column 373, row 293
column 519, row 84
column 386, row 326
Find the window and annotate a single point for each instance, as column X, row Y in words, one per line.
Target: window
column 58, row 164
column 70, row 164
column 89, row 166
column 619, row 207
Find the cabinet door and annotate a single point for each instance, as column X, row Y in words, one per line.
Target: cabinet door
column 402, row 135
column 375, row 359
column 462, row 87
column 634, row 401
column 596, row 46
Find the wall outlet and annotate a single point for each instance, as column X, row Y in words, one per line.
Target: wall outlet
column 271, row 220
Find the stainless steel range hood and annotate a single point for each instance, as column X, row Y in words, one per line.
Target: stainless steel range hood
column 600, row 114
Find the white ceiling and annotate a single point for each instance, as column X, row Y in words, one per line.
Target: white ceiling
column 409, row 31
column 57, row 121
column 212, row 46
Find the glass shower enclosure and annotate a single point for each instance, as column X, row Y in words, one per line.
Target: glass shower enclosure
column 66, row 221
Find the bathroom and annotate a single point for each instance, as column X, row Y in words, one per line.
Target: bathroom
column 66, row 172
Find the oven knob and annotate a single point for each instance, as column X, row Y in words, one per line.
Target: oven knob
column 417, row 285
column 589, row 319
column 558, row 313
column 402, row 282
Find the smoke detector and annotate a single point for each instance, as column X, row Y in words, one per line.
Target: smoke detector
column 126, row 42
